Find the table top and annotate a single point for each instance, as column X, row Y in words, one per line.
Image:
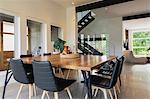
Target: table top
column 84, row 62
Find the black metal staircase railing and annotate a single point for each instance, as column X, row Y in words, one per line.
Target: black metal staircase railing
column 85, row 47
column 87, row 19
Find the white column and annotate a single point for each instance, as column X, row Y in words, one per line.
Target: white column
column 44, row 38
column 72, row 34
column 23, row 35
column 17, row 37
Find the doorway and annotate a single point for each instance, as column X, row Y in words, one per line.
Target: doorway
column 6, row 40
column 34, row 35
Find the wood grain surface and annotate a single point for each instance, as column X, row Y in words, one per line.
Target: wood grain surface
column 84, row 62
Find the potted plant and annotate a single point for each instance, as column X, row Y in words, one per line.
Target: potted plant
column 59, row 45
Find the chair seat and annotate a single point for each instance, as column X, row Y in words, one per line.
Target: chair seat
column 63, row 83
column 99, row 81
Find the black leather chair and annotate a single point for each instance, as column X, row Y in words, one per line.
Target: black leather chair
column 28, row 67
column 21, row 76
column 106, row 71
column 106, row 84
column 46, row 80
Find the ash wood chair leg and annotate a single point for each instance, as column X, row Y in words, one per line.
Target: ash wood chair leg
column 69, row 93
column 115, row 92
column 86, row 96
column 30, row 91
column 118, row 89
column 105, row 93
column 43, row 94
column 68, row 73
column 55, row 95
column 34, row 89
column 21, row 86
column 93, row 90
column 96, row 91
column 47, row 95
column 110, row 93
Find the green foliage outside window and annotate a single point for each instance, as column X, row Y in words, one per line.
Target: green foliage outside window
column 141, row 42
column 145, row 34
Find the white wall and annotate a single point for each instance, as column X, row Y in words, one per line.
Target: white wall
column 72, row 33
column 44, row 11
column 112, row 26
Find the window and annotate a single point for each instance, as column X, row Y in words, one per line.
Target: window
column 141, row 42
column 8, row 36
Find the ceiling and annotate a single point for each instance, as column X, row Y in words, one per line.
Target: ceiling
column 124, row 9
column 143, row 23
column 68, row 3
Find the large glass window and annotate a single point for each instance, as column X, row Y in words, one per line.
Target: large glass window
column 8, row 36
column 141, row 42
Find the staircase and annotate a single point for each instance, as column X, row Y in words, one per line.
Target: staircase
column 88, row 49
column 87, row 19
column 85, row 47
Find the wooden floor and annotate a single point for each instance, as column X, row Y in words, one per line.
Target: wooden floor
column 135, row 85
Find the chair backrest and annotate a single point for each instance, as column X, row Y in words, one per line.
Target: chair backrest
column 107, row 65
column 29, row 55
column 43, row 75
column 114, row 76
column 18, row 71
column 121, row 59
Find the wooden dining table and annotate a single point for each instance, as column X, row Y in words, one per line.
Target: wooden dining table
column 85, row 63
